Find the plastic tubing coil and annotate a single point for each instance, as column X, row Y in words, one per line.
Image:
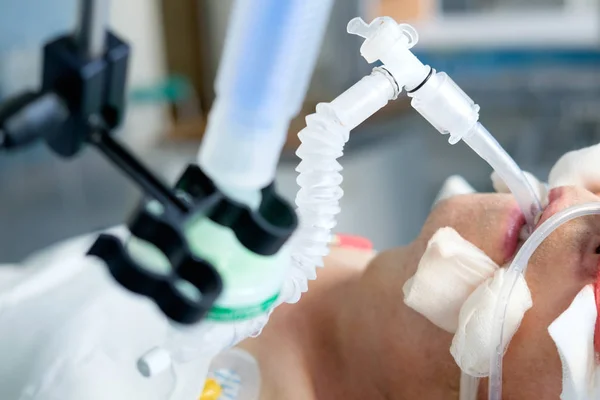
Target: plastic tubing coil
column 518, row 267
column 322, row 143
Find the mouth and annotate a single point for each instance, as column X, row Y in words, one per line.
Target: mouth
column 557, row 201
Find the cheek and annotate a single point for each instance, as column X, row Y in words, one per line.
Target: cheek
column 563, row 264
column 554, row 279
column 532, row 367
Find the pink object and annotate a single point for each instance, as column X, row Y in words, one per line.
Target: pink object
column 353, row 242
column 597, row 331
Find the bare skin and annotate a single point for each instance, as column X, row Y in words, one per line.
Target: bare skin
column 352, row 337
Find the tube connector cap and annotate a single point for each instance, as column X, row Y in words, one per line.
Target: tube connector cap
column 154, row 362
column 381, row 35
column 390, row 42
column 446, row 106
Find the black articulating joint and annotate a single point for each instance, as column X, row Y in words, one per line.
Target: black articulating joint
column 262, row 231
column 91, row 88
column 75, row 90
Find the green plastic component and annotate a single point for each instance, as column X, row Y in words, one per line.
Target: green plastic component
column 148, row 256
column 251, row 282
column 224, row 314
column 174, row 89
column 244, row 273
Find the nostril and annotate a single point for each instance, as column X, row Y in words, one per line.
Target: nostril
column 597, row 250
column 555, row 193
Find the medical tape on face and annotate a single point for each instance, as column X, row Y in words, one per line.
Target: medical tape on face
column 450, row 269
column 573, row 333
column 455, row 287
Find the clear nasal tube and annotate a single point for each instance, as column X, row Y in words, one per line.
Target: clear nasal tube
column 517, row 268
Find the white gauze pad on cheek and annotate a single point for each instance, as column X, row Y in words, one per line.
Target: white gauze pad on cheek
column 539, row 187
column 449, row 271
column 573, row 334
column 471, row 345
column 456, row 287
column 577, row 168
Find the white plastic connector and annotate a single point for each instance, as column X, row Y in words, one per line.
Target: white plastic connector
column 154, row 362
column 446, row 106
column 390, row 42
column 435, row 96
column 441, row 101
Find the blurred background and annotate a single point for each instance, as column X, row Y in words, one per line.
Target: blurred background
column 532, row 65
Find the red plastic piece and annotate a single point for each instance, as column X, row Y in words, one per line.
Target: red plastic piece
column 597, row 330
column 353, row 242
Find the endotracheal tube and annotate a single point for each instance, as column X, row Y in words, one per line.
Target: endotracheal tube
column 517, row 268
column 434, row 95
column 441, row 102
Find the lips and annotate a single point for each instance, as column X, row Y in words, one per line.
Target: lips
column 516, row 221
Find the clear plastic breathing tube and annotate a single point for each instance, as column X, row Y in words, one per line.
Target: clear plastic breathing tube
column 488, row 148
column 323, row 140
column 452, row 112
column 517, row 268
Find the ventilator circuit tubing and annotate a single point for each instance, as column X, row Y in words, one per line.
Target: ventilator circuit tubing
column 322, row 143
column 517, row 268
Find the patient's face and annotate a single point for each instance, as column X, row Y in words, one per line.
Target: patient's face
column 565, row 262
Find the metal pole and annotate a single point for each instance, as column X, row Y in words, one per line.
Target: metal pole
column 138, row 173
column 90, row 33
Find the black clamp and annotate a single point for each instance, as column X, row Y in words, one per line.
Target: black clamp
column 75, row 91
column 162, row 288
column 91, row 88
column 263, row 232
